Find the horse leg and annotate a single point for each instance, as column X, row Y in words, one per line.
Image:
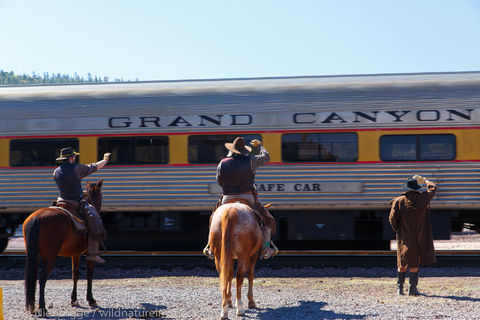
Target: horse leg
column 251, row 276
column 241, row 269
column 46, row 267
column 227, row 296
column 229, row 289
column 75, row 276
column 91, row 302
column 224, row 313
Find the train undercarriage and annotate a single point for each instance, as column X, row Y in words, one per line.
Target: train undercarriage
column 296, row 230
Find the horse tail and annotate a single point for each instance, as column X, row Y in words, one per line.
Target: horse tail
column 31, row 230
column 229, row 220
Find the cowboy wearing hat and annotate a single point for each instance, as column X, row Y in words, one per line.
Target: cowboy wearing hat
column 68, row 178
column 236, row 175
column 410, row 220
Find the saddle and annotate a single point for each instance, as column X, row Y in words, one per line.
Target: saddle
column 261, row 214
column 71, row 209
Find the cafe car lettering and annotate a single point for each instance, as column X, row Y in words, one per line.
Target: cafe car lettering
column 301, row 187
column 310, row 187
column 279, row 187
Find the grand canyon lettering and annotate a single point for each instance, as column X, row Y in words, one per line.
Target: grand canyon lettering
column 296, row 118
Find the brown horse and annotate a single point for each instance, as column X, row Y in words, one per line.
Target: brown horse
column 235, row 235
column 48, row 232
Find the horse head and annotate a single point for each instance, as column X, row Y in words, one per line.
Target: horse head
column 94, row 194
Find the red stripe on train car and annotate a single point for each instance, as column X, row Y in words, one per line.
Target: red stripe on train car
column 234, row 132
column 268, row 164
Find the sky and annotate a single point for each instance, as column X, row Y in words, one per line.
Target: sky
column 201, row 39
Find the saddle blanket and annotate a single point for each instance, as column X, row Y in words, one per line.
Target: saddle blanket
column 78, row 223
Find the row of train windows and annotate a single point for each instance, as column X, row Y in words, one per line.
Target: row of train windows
column 296, row 147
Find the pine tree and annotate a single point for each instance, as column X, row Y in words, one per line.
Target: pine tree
column 10, row 78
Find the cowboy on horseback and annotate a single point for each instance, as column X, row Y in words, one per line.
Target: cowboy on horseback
column 68, row 178
column 236, row 175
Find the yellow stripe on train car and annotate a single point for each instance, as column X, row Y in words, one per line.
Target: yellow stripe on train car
column 4, row 152
column 1, row 303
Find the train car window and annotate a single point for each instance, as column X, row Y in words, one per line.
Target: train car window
column 135, row 150
column 320, row 147
column 38, row 152
column 211, row 148
column 437, row 147
column 422, row 147
column 398, row 148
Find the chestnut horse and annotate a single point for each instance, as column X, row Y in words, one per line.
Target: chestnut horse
column 48, row 232
column 235, row 235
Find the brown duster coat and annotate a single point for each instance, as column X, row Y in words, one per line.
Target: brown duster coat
column 409, row 219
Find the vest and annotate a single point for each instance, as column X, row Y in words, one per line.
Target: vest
column 236, row 174
column 67, row 182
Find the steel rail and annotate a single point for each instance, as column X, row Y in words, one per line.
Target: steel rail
column 292, row 253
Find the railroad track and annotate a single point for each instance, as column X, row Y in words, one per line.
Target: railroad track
column 285, row 258
column 134, row 253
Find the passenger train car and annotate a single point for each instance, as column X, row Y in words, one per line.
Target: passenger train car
column 341, row 148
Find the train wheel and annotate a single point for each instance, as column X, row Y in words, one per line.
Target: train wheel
column 3, row 244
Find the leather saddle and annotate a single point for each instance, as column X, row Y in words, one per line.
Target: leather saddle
column 71, row 209
column 263, row 217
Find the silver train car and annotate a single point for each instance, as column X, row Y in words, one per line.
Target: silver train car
column 341, row 148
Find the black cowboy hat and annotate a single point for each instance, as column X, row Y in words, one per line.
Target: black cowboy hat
column 413, row 184
column 238, row 146
column 66, row 153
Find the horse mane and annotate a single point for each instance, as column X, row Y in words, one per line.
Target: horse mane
column 93, row 194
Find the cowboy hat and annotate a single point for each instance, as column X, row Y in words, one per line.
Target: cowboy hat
column 66, row 153
column 238, row 146
column 413, row 184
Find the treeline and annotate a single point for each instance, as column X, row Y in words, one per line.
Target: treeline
column 10, row 78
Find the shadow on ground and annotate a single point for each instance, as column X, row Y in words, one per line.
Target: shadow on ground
column 306, row 310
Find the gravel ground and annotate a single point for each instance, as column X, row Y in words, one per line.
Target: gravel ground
column 288, row 293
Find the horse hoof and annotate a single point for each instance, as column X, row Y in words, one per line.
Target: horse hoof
column 252, row 305
column 93, row 305
column 240, row 312
column 75, row 304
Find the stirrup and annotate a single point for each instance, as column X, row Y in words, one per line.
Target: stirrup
column 208, row 253
column 267, row 253
column 274, row 248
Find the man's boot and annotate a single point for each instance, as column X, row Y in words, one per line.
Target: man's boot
column 267, row 252
column 400, row 282
column 412, row 291
column 208, row 252
column 92, row 251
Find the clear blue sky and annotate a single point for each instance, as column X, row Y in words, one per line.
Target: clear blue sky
column 200, row 39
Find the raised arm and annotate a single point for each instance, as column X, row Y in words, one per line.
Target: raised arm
column 261, row 159
column 100, row 164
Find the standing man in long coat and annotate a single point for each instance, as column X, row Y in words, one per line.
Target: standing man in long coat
column 409, row 218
